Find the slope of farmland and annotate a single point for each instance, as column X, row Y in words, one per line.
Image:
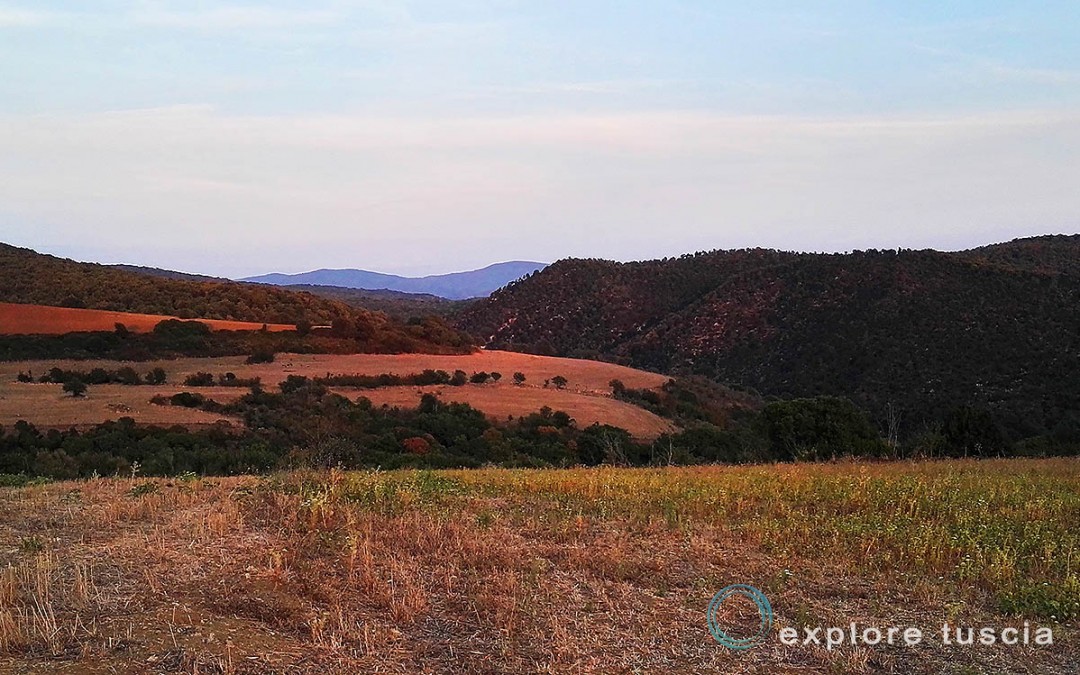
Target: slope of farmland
column 586, row 397
column 16, row 319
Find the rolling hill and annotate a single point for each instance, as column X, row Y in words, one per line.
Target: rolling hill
column 454, row 286
column 921, row 333
column 31, row 278
column 396, row 304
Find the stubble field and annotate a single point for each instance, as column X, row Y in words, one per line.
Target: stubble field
column 496, row 571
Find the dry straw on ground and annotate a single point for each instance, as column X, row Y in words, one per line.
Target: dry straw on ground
column 600, row 570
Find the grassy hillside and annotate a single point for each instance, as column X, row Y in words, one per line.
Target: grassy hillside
column 921, row 333
column 27, row 277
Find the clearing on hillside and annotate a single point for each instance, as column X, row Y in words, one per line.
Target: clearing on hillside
column 586, row 397
column 16, row 319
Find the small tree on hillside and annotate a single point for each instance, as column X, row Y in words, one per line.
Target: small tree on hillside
column 559, row 381
column 495, row 377
column 519, row 378
column 75, row 387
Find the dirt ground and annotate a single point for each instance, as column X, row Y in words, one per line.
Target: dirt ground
column 502, row 400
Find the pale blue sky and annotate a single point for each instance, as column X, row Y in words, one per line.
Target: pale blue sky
column 417, row 137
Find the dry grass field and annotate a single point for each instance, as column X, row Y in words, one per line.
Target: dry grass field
column 502, row 400
column 500, row 571
column 586, row 397
column 18, row 319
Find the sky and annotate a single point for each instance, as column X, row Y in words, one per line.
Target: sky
column 434, row 136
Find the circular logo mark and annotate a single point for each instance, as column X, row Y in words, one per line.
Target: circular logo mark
column 764, row 611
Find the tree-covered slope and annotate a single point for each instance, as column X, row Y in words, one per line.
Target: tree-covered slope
column 918, row 332
column 29, row 277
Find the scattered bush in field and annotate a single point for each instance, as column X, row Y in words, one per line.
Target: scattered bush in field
column 459, row 378
column 260, row 356
column 143, row 489
column 24, row 377
column 187, row 399
column 75, row 387
column 156, row 376
column 20, row 480
column 495, row 377
column 199, row 379
column 125, row 375
column 559, row 382
column 479, row 378
column 231, row 380
column 519, row 378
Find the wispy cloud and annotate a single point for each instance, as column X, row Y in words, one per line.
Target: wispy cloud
column 230, row 17
column 15, row 17
column 555, row 185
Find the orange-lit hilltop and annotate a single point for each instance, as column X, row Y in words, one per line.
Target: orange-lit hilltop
column 17, row 319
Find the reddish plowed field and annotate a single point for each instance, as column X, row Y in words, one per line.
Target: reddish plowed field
column 41, row 320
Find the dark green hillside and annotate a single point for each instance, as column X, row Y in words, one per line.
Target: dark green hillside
column 394, row 304
column 923, row 333
column 1052, row 253
column 35, row 278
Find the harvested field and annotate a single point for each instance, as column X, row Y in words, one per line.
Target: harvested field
column 560, row 571
column 586, row 397
column 18, row 319
column 500, row 401
column 46, row 406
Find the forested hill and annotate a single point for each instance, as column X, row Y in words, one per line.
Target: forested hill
column 1052, row 254
column 924, row 332
column 29, row 277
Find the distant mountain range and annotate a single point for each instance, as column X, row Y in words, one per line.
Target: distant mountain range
column 917, row 333
column 455, row 286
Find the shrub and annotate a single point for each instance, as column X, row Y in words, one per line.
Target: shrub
column 519, row 378
column 260, row 356
column 479, row 378
column 459, row 378
column 75, row 387
column 559, row 381
column 187, row 399
column 819, row 428
column 199, row 379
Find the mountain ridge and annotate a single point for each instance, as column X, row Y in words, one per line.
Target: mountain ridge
column 452, row 286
